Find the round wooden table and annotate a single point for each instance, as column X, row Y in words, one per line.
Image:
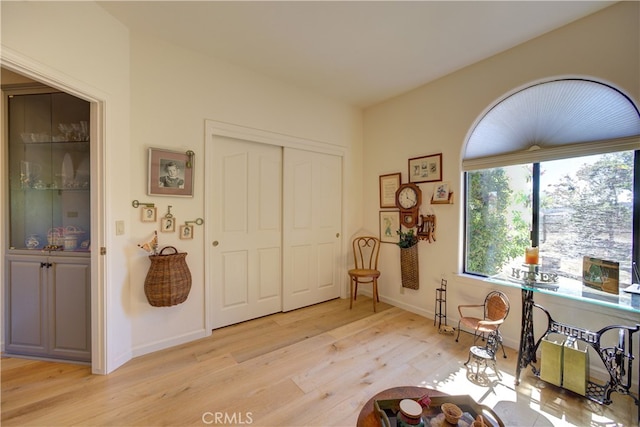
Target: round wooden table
column 368, row 416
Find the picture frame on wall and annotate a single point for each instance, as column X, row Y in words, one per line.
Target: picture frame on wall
column 186, row 232
column 170, row 173
column 425, row 168
column 389, row 184
column 389, row 226
column 168, row 225
column 442, row 193
column 148, row 214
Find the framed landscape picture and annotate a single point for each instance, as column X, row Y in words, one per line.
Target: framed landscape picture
column 601, row 274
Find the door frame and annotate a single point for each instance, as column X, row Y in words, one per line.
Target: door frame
column 215, row 129
column 99, row 310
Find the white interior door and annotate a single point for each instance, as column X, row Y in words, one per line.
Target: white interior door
column 246, row 212
column 312, row 218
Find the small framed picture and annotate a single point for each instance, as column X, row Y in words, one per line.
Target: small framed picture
column 148, row 214
column 168, row 225
column 389, row 184
column 389, row 226
column 170, row 173
column 186, row 232
column 426, row 168
column 441, row 193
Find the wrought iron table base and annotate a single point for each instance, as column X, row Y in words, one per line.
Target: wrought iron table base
column 618, row 360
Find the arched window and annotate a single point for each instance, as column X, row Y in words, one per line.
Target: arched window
column 554, row 165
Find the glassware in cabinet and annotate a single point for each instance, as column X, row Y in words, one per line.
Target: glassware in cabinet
column 49, row 172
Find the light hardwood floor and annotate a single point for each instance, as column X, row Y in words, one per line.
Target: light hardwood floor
column 315, row 366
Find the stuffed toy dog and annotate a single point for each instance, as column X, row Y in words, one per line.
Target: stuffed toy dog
column 445, row 329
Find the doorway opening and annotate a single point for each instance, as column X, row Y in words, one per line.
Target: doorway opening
column 14, row 74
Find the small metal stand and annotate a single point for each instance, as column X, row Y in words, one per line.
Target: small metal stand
column 441, row 302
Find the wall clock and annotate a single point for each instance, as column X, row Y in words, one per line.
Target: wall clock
column 408, row 200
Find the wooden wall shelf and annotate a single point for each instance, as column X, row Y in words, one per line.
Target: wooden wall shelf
column 449, row 201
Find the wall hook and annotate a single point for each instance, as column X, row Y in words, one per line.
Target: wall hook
column 168, row 214
column 190, row 154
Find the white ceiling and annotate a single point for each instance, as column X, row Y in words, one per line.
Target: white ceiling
column 359, row 52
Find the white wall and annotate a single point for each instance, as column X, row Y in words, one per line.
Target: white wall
column 435, row 118
column 79, row 47
column 159, row 95
column 173, row 91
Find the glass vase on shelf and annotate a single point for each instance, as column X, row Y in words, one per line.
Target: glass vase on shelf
column 32, row 241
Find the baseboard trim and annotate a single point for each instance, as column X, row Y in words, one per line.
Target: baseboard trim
column 171, row 342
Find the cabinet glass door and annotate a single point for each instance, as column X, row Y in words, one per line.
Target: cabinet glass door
column 49, row 172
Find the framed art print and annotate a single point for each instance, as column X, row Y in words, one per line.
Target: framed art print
column 442, row 193
column 186, row 232
column 170, row 173
column 389, row 184
column 148, row 214
column 426, row 168
column 168, row 225
column 389, row 226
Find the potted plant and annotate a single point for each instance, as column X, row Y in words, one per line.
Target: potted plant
column 409, row 258
column 407, row 239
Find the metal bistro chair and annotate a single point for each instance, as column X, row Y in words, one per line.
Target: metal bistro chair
column 365, row 254
column 485, row 356
column 495, row 311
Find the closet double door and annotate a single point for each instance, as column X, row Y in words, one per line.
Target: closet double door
column 276, row 221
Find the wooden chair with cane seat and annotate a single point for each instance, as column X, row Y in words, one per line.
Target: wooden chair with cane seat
column 494, row 311
column 365, row 254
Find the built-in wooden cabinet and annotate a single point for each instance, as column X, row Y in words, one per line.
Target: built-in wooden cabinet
column 48, row 307
column 47, row 274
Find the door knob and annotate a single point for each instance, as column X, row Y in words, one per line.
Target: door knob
column 215, row 243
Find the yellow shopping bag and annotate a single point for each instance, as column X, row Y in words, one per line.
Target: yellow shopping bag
column 551, row 359
column 575, row 366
